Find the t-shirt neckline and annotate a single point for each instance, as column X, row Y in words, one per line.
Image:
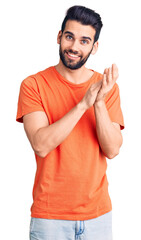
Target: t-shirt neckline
column 75, row 84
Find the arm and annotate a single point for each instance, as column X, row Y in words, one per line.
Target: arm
column 44, row 137
column 108, row 133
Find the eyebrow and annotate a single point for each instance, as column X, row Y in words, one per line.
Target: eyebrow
column 68, row 32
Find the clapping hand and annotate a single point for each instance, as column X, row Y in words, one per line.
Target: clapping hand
column 110, row 76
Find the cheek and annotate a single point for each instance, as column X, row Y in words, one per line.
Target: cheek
column 64, row 46
column 86, row 51
column 65, row 43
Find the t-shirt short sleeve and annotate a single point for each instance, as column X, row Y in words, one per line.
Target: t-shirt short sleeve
column 112, row 101
column 29, row 98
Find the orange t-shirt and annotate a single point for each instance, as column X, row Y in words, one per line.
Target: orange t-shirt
column 70, row 182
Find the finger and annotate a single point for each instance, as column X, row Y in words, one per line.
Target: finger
column 104, row 82
column 114, row 66
column 106, row 74
column 114, row 71
column 109, row 79
column 96, row 85
column 105, row 71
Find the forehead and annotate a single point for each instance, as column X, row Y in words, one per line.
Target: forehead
column 79, row 29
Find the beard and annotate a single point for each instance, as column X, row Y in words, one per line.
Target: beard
column 69, row 63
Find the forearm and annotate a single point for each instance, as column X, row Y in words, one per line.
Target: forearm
column 109, row 137
column 48, row 138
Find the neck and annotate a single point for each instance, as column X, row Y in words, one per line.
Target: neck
column 76, row 76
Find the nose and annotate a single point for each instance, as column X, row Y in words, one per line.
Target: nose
column 75, row 46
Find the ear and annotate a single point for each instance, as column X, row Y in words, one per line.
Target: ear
column 59, row 37
column 95, row 48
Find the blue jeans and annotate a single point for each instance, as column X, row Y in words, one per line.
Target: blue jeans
column 94, row 229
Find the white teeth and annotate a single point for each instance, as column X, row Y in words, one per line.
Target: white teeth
column 71, row 55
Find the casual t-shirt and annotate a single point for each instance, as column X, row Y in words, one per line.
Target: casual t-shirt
column 71, row 181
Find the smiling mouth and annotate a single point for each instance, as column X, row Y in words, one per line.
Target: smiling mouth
column 72, row 56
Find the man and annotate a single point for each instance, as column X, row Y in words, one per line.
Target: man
column 72, row 118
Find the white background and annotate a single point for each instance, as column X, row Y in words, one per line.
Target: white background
column 28, row 45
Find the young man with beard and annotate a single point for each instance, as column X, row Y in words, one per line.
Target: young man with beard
column 72, row 118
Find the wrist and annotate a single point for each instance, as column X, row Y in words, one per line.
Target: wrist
column 99, row 103
column 82, row 106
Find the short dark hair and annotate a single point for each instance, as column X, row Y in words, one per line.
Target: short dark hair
column 85, row 16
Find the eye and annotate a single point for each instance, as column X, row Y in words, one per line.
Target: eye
column 69, row 37
column 84, row 42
